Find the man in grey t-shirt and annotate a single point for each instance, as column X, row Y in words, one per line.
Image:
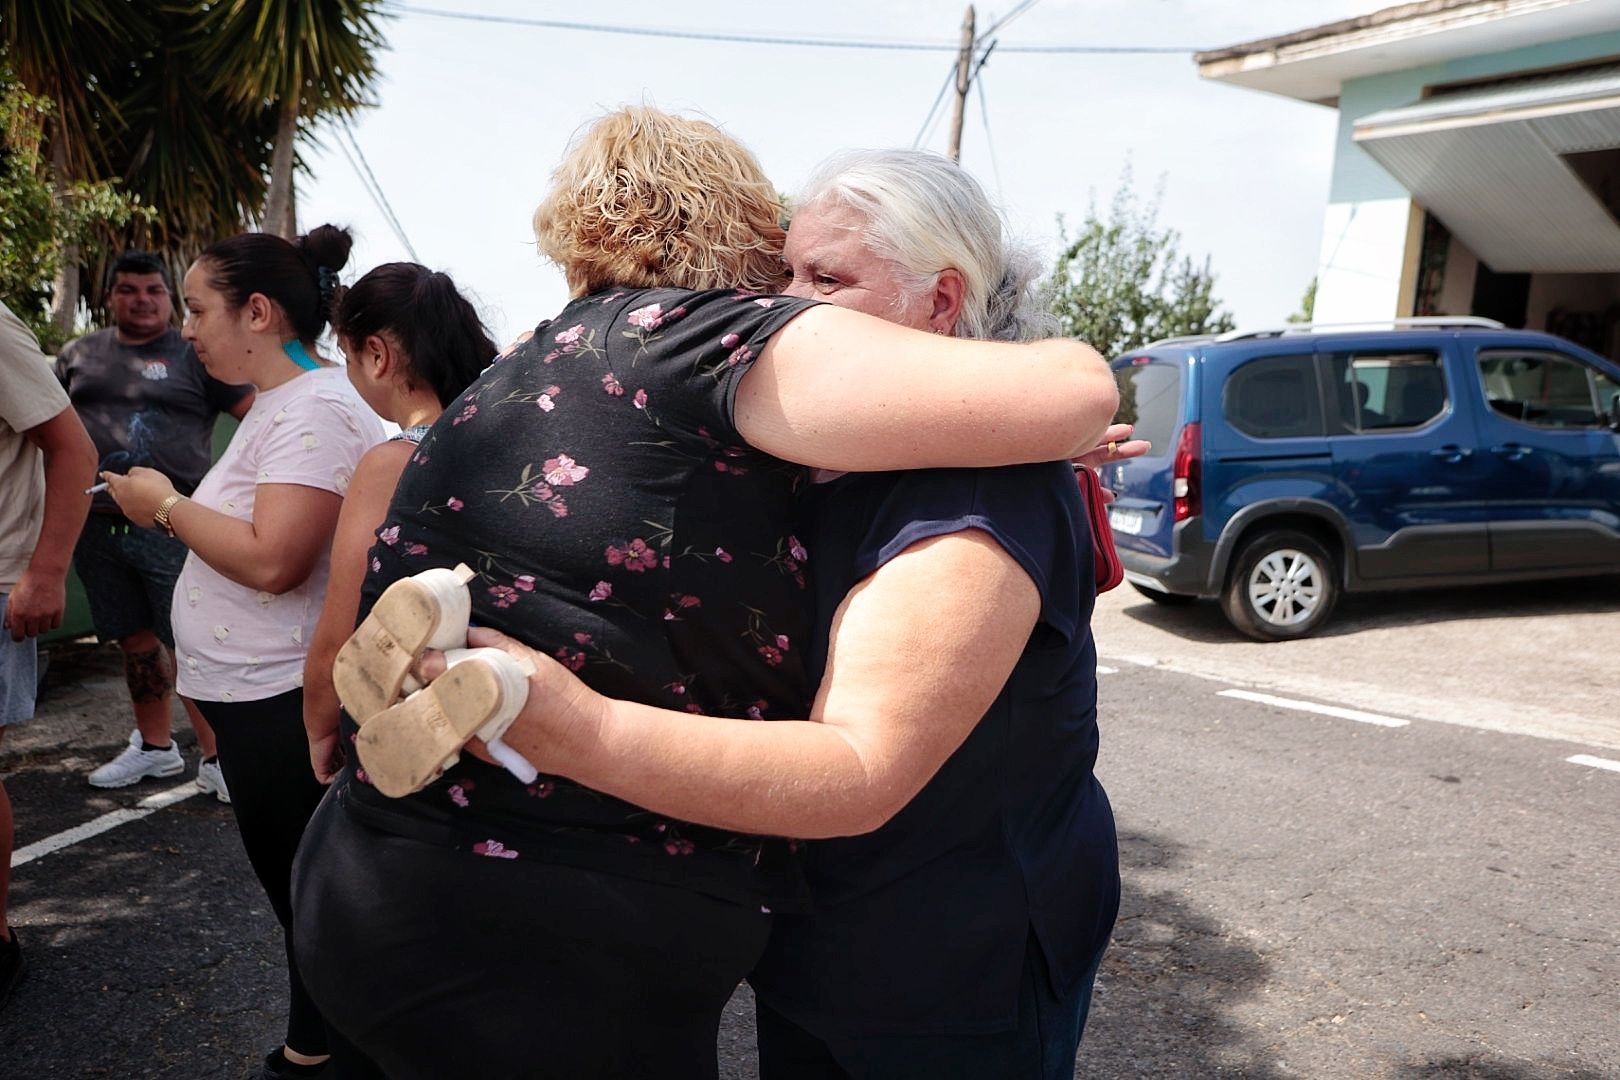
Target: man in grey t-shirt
column 146, row 400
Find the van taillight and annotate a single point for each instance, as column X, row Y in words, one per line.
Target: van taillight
column 1187, row 484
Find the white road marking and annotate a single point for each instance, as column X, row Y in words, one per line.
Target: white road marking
column 1311, row 706
column 1595, row 762
column 68, row 837
column 1103, row 669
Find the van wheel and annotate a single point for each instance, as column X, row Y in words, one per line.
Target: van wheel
column 1283, row 585
column 1168, row 599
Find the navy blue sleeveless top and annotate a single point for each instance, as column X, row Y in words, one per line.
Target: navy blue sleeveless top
column 921, row 927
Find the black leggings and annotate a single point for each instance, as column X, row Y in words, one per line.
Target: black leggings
column 264, row 755
column 438, row 963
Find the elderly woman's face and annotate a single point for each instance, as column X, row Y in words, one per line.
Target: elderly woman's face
column 830, row 261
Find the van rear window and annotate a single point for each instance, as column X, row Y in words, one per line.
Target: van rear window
column 1150, row 398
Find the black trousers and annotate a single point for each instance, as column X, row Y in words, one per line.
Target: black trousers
column 1041, row 1047
column 437, row 962
column 264, row 755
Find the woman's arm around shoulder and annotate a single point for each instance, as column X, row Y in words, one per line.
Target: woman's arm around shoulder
column 920, row 649
column 837, row 389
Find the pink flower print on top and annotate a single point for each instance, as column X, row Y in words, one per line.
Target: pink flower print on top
column 416, row 549
column 564, row 471
column 570, row 335
column 796, row 550
column 635, row 556
column 602, row 591
column 466, row 414
column 722, row 554
column 647, row 318
column 572, row 659
column 453, row 503
column 640, row 399
column 612, row 385
column 730, row 341
column 494, row 849
column 524, row 582
column 390, row 535
column 458, row 795
column 505, row 596
column 679, row 846
column 772, row 655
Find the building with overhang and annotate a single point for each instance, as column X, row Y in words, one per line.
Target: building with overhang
column 1477, row 168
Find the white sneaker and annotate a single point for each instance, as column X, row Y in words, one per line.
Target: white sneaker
column 212, row 781
column 134, row 764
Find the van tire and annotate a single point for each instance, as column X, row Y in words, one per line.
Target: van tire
column 1168, row 599
column 1283, row 585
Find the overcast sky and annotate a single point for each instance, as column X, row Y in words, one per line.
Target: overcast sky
column 474, row 116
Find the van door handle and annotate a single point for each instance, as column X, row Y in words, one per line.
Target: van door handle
column 1512, row 451
column 1451, row 453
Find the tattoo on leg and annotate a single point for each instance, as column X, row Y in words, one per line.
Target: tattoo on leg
column 148, row 676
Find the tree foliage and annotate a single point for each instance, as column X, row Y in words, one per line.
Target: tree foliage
column 41, row 219
column 185, row 104
column 1121, row 281
column 1307, row 305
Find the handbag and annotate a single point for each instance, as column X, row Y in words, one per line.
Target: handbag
column 1104, row 559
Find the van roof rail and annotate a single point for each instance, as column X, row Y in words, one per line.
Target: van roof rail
column 1180, row 339
column 1427, row 322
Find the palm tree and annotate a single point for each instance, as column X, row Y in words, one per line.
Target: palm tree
column 307, row 58
column 184, row 148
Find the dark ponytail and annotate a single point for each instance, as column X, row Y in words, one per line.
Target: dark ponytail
column 444, row 342
column 300, row 277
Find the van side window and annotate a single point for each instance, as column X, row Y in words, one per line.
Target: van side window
column 1150, row 398
column 1275, row 397
column 1379, row 391
column 1545, row 389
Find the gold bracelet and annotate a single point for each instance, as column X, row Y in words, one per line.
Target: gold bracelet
column 161, row 518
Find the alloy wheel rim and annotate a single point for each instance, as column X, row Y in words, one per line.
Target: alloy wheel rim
column 1285, row 587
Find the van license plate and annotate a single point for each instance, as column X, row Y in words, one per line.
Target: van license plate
column 1126, row 521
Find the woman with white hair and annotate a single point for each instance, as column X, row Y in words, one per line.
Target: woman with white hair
column 963, row 866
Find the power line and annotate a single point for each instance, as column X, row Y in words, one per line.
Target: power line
column 368, row 180
column 768, row 39
column 995, row 165
column 1010, row 16
column 933, row 110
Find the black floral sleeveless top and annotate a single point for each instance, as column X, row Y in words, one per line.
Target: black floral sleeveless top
column 594, row 480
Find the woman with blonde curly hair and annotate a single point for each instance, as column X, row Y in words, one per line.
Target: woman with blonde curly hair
column 622, row 488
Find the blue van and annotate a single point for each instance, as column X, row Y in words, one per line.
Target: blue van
column 1290, row 466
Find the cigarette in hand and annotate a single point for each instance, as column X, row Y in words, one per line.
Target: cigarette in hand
column 98, row 488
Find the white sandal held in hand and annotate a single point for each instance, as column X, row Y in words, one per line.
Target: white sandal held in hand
column 407, row 747
column 430, row 610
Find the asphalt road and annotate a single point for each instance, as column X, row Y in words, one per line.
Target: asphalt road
column 1306, row 895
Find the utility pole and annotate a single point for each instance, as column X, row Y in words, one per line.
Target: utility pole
column 964, row 79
